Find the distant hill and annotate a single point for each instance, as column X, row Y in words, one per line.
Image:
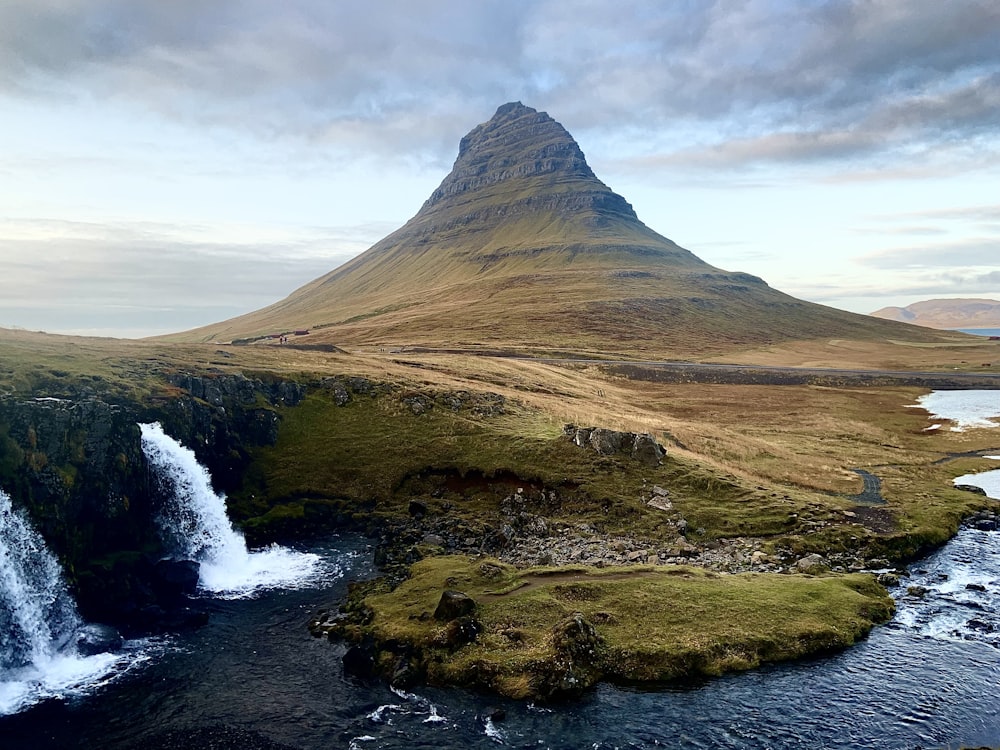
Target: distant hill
column 946, row 313
column 523, row 247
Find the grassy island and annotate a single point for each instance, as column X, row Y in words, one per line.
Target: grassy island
column 545, row 632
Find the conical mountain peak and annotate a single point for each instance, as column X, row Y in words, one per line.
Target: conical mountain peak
column 522, row 247
column 521, row 150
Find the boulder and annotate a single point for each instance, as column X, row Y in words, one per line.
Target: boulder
column 888, row 579
column 454, row 604
column 641, row 447
column 970, row 488
column 811, row 564
column 647, row 451
column 576, row 636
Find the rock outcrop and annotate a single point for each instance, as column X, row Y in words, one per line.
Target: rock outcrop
column 640, row 446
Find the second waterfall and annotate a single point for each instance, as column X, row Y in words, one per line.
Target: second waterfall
column 194, row 523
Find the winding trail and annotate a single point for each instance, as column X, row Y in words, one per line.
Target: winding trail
column 871, row 492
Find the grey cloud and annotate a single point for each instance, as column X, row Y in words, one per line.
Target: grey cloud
column 780, row 80
column 112, row 277
column 984, row 213
column 977, row 252
column 916, row 287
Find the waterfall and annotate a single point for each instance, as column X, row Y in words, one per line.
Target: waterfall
column 194, row 523
column 39, row 623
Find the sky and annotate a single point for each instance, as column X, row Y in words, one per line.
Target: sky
column 165, row 165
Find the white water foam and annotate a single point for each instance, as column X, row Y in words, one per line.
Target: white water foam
column 494, row 732
column 195, row 522
column 964, row 409
column 953, row 595
column 38, row 622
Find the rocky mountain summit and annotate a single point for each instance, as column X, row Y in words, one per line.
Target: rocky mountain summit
column 519, row 145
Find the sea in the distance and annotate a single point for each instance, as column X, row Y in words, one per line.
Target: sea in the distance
column 979, row 331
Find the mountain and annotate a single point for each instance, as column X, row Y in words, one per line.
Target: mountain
column 523, row 247
column 946, row 313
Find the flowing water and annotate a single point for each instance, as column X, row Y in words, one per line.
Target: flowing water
column 196, row 525
column 254, row 679
column 39, row 625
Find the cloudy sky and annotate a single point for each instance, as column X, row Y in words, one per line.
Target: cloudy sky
column 169, row 164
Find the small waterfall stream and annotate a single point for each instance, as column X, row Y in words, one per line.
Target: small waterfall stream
column 39, row 624
column 195, row 524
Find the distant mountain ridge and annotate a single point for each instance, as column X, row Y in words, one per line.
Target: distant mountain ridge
column 946, row 313
column 522, row 247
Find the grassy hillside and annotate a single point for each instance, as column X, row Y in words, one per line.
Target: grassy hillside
column 522, row 247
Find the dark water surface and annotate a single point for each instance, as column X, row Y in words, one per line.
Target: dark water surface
column 254, row 679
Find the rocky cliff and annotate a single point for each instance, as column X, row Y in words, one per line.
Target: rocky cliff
column 78, row 468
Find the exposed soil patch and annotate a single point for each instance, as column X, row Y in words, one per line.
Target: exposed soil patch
column 879, row 520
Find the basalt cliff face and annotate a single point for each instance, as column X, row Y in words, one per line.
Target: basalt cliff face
column 523, row 247
column 76, row 465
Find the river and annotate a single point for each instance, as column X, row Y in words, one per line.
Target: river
column 254, row 679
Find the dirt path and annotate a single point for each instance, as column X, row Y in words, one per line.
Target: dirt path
column 871, row 492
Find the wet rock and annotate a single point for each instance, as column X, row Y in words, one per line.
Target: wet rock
column 175, row 579
column 980, row 626
column 454, row 604
column 970, row 488
column 888, row 579
column 975, row 587
column 97, row 639
column 404, row 675
column 917, row 592
column 359, row 660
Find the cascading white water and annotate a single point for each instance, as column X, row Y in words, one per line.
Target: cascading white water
column 38, row 621
column 194, row 521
